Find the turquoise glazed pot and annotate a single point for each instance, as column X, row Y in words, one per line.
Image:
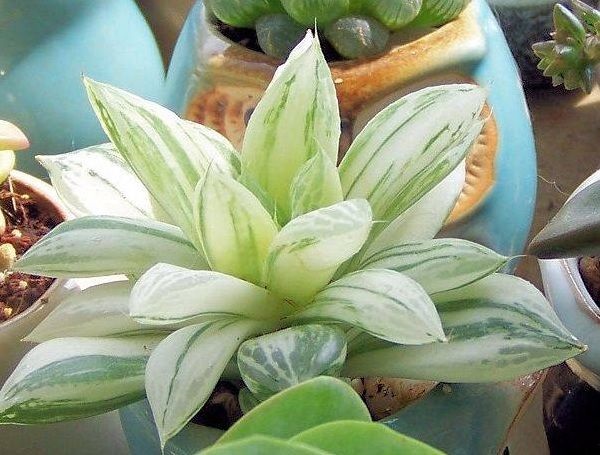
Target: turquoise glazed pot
column 46, row 45
column 217, row 82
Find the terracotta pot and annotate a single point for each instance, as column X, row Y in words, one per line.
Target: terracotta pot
column 217, row 82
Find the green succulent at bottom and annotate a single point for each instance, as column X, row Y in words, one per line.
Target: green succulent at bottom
column 273, row 265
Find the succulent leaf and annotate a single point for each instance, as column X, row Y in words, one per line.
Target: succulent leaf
column 274, row 362
column 242, row 13
column 278, row 34
column 72, row 378
column 247, row 400
column 439, row 12
column 297, row 116
column 105, row 245
column 262, row 445
column 7, row 164
column 321, row 12
column 11, row 137
column 499, row 328
column 589, row 16
column 393, row 14
column 384, row 303
column 357, row 36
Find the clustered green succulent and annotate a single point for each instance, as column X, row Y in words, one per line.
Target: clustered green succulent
column 355, row 28
column 573, row 54
column 273, row 265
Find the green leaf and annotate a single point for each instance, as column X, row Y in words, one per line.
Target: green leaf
column 362, row 438
column 247, row 400
column 185, row 367
column 440, row 264
column 297, row 116
column 589, row 16
column 106, row 245
column 499, row 328
column 357, row 36
column 574, row 231
column 97, row 181
column 242, row 13
column 392, row 13
column 98, row 311
column 276, row 361
column 316, row 185
column 72, row 378
column 306, row 252
column 167, row 294
column 278, row 34
column 168, row 154
column 307, row 12
column 567, row 26
column 294, row 410
column 256, row 445
column 410, row 147
column 234, row 228
column 384, row 303
column 438, row 12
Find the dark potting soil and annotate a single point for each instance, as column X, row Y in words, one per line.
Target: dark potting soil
column 25, row 225
column 589, row 268
column 222, row 408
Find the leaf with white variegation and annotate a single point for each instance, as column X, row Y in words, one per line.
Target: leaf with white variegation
column 499, row 328
column 440, row 264
column 234, row 228
column 306, row 252
column 168, row 154
column 185, row 367
column 167, row 294
column 72, row 378
column 410, row 147
column 276, row 361
column 384, row 303
column 297, row 116
column 105, row 245
column 98, row 311
column 97, row 181
column 316, row 185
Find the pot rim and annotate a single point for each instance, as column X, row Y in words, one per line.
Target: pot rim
column 43, row 191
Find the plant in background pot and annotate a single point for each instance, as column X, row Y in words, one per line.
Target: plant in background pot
column 218, row 73
column 271, row 266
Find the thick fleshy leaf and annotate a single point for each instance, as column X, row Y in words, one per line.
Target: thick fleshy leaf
column 499, row 328
column 306, row 252
column 106, row 245
column 392, row 13
column 297, row 116
column 234, row 228
column 316, row 185
column 98, row 311
column 276, row 361
column 7, row 163
column 97, row 181
column 168, row 154
column 440, row 264
column 255, row 445
column 574, row 231
column 247, row 400
column 438, row 12
column 11, row 137
column 303, row 406
column 167, row 294
column 410, row 147
column 71, row 378
column 242, row 13
column 185, row 367
column 362, row 438
column 384, row 303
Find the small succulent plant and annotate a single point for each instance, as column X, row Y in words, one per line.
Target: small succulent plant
column 573, row 54
column 339, row 424
column 273, row 265
column 355, row 28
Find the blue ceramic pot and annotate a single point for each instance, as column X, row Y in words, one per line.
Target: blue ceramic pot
column 46, row 45
column 217, row 82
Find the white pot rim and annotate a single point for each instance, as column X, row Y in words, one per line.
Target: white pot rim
column 582, row 296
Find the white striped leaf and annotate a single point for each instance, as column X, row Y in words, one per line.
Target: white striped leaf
column 98, row 311
column 168, row 154
column 106, row 245
column 234, row 228
column 72, row 378
column 316, row 185
column 440, row 264
column 167, row 294
column 271, row 363
column 97, row 181
column 499, row 328
column 410, row 147
column 185, row 367
column 306, row 252
column 297, row 116
column 384, row 303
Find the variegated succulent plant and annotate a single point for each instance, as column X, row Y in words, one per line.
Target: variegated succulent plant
column 355, row 28
column 273, row 265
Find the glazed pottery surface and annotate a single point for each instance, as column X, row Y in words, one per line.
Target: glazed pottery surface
column 217, row 82
column 46, row 47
